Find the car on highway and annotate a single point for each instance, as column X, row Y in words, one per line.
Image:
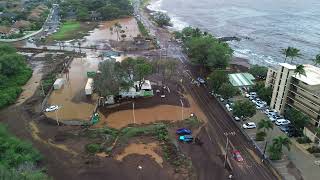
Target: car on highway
column 183, row 131
column 52, row 108
column 282, row 122
column 237, row 156
column 249, row 125
column 186, row 138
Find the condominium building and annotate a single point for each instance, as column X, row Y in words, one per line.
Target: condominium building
column 301, row 92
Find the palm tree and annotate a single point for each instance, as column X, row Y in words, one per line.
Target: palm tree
column 294, row 52
column 265, row 125
column 317, row 60
column 286, row 52
column 281, row 141
column 300, row 70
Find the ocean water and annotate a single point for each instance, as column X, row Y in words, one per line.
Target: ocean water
column 265, row 26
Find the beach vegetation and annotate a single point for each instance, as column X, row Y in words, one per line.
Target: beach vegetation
column 259, row 72
column 162, row 19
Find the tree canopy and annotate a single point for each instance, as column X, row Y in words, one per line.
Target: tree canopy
column 264, row 93
column 216, row 79
column 259, row 72
column 114, row 75
column 107, row 9
column 244, row 108
column 227, row 90
column 205, row 50
column 162, row 19
column 297, row 118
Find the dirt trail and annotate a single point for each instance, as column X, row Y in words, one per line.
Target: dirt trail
column 142, row 149
column 30, row 88
column 35, row 135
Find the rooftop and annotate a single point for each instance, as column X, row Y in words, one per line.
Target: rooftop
column 288, row 66
column 312, row 75
column 241, row 79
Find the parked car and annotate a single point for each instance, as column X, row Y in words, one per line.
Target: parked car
column 52, row 108
column 221, row 99
column 253, row 93
column 249, row 125
column 272, row 118
column 183, row 131
column 247, row 95
column 202, row 81
column 294, row 133
column 236, row 118
column 237, row 156
column 186, row 138
column 228, row 107
column 282, row 122
column 285, row 128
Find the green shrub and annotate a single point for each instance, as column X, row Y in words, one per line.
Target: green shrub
column 303, row 140
column 192, row 122
column 93, row 148
column 260, row 136
column 314, row 149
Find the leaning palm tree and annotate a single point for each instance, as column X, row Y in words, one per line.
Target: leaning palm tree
column 294, row 52
column 281, row 141
column 286, row 52
column 317, row 60
column 300, row 70
column 265, row 125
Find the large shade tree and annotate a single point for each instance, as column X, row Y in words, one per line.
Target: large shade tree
column 244, row 109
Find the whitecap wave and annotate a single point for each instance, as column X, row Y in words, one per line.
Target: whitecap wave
column 156, row 6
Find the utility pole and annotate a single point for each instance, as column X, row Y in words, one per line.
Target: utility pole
column 264, row 150
column 57, row 119
column 134, row 117
column 226, row 155
column 182, row 106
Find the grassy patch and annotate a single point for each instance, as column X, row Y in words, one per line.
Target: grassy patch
column 72, row 30
column 142, row 29
column 192, row 122
column 158, row 130
column 67, row 29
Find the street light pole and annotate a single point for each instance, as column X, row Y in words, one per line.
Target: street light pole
column 57, row 119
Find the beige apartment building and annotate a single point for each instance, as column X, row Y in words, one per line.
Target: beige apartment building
column 296, row 91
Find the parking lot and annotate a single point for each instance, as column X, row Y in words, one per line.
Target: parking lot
column 296, row 163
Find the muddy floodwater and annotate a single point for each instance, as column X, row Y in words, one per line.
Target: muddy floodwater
column 75, row 105
column 107, row 31
column 123, row 118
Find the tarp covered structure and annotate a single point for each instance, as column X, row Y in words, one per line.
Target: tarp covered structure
column 241, row 79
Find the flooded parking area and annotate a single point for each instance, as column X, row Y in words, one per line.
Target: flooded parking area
column 73, row 102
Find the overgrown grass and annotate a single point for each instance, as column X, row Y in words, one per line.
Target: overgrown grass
column 67, row 30
column 158, row 130
column 192, row 122
column 13, row 75
column 18, row 158
column 142, row 29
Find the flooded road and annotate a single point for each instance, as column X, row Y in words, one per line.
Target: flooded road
column 75, row 105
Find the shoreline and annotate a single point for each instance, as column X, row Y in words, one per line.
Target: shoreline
column 235, row 60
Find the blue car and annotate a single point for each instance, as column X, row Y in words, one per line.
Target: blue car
column 186, row 138
column 183, row 131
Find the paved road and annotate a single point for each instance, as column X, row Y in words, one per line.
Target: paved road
column 220, row 124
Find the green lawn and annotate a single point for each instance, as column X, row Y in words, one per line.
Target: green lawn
column 67, row 30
